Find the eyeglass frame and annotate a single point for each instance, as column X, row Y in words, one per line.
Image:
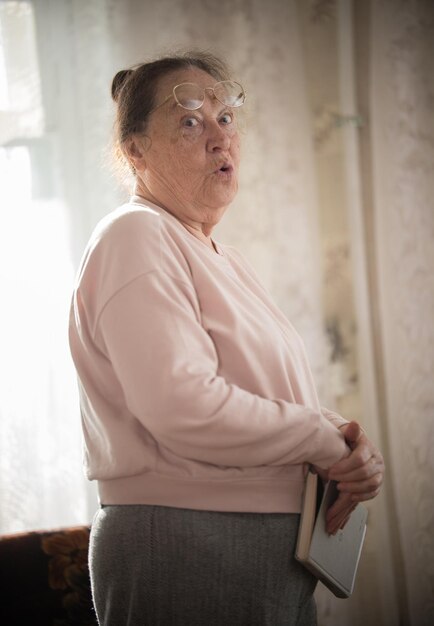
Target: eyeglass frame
column 205, row 89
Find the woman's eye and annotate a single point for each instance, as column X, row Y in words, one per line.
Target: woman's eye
column 226, row 119
column 190, row 122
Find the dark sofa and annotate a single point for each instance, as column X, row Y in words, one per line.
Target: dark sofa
column 44, row 578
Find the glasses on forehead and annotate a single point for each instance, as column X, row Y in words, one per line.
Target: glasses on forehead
column 191, row 96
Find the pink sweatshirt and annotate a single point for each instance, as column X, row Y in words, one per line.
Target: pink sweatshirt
column 195, row 389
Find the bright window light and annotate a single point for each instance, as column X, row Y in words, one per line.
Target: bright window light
column 4, row 94
column 40, row 438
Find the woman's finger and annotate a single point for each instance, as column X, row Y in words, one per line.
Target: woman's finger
column 341, row 505
column 358, row 458
column 363, row 497
column 341, row 513
column 372, row 467
column 333, row 525
column 362, row 486
column 338, row 514
column 346, row 520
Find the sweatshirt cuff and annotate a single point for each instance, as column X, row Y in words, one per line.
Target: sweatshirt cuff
column 334, row 418
column 331, row 448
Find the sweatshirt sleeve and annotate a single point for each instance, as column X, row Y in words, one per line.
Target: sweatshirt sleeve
column 167, row 366
column 334, row 418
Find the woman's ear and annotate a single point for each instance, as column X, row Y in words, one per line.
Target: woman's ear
column 135, row 149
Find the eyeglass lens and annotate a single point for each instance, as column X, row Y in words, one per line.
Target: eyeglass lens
column 191, row 96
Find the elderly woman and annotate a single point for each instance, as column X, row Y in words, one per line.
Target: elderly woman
column 199, row 411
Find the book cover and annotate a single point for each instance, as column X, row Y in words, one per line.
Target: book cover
column 333, row 559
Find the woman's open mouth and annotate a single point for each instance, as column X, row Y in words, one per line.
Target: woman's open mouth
column 225, row 170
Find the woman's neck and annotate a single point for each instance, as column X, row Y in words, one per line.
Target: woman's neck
column 196, row 230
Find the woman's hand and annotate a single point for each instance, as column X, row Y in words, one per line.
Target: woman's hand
column 359, row 476
column 339, row 513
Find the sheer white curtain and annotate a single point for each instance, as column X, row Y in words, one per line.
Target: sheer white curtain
column 41, row 483
column 55, row 123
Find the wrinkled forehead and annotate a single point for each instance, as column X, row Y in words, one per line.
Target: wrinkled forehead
column 190, row 75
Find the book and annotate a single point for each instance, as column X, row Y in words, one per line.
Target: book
column 333, row 559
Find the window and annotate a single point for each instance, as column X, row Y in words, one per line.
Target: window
column 41, row 481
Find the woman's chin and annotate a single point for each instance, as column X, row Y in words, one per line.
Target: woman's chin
column 223, row 194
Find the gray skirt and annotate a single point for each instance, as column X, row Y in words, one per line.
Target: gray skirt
column 161, row 566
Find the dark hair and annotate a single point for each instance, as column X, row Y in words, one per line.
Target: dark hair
column 134, row 90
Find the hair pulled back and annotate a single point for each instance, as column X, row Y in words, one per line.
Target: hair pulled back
column 134, row 91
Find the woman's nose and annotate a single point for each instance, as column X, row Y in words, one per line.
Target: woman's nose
column 219, row 139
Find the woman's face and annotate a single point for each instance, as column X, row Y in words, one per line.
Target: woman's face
column 185, row 151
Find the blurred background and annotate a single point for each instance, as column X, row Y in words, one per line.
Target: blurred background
column 335, row 211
